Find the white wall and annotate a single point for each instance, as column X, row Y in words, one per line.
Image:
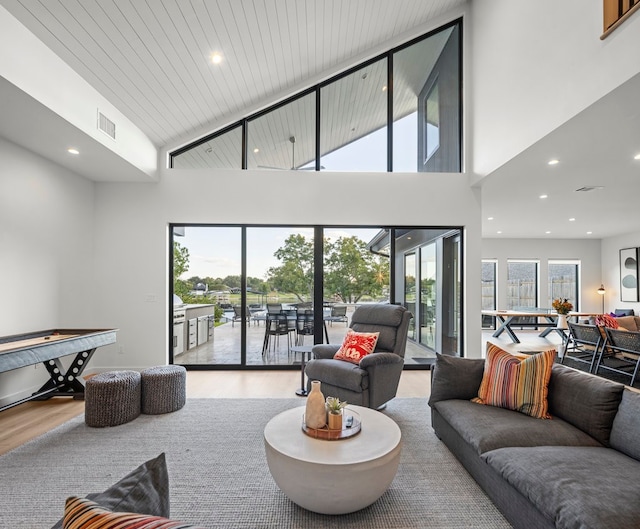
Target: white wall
column 611, row 269
column 526, row 87
column 587, row 251
column 132, row 232
column 34, row 68
column 46, row 251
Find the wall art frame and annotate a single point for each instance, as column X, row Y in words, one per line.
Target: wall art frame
column 629, row 274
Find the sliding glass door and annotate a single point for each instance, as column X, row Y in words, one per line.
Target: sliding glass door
column 251, row 296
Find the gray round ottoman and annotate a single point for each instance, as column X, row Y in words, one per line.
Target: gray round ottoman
column 112, row 398
column 164, row 389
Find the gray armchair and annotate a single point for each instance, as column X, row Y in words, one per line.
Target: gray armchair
column 374, row 381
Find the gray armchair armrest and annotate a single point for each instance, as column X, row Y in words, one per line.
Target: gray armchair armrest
column 378, row 359
column 324, row 350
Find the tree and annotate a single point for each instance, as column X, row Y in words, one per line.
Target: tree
column 180, row 266
column 352, row 271
column 295, row 275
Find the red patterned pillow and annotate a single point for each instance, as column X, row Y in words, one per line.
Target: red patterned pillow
column 84, row 514
column 604, row 320
column 515, row 383
column 357, row 345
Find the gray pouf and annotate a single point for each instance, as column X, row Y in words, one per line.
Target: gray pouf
column 164, row 389
column 112, row 398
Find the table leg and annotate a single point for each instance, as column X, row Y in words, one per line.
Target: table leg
column 506, row 326
column 302, row 392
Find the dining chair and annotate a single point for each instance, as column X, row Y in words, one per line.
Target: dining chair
column 237, row 314
column 584, row 344
column 338, row 314
column 620, row 353
column 277, row 324
column 304, row 326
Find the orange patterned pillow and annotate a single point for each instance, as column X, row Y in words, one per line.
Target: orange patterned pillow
column 515, row 383
column 357, row 345
column 80, row 513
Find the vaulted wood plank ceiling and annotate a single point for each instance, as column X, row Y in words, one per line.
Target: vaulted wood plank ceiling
column 152, row 58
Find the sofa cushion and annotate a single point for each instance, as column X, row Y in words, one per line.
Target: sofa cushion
column 625, row 433
column 515, row 383
column 487, row 427
column 453, row 377
column 586, row 401
column 628, row 323
column 574, row 487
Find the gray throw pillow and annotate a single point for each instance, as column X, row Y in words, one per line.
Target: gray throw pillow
column 145, row 490
column 453, row 377
column 585, row 401
column 626, row 425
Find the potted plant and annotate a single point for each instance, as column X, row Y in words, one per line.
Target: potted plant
column 334, row 412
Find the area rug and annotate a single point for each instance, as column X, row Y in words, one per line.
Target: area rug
column 219, row 476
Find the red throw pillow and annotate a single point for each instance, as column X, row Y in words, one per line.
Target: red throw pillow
column 604, row 320
column 356, row 346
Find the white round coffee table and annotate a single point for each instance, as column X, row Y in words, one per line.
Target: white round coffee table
column 333, row 477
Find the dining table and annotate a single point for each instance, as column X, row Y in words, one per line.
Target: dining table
column 506, row 320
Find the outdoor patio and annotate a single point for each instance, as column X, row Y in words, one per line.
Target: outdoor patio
column 224, row 348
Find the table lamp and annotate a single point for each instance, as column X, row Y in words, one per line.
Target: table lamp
column 601, row 291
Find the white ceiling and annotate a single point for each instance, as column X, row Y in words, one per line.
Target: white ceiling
column 150, row 58
column 595, row 148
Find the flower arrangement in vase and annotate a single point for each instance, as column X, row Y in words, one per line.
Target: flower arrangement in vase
column 562, row 306
column 334, row 412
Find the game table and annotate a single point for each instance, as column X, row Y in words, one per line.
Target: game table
column 47, row 347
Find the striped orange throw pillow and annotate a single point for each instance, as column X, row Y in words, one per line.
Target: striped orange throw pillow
column 515, row 383
column 80, row 513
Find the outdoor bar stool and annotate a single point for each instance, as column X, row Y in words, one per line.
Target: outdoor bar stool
column 163, row 389
column 112, row 398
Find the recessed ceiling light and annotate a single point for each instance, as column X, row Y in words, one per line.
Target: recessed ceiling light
column 499, row 231
column 553, row 162
column 384, row 88
column 589, row 232
column 572, row 219
column 489, row 218
column 547, row 232
column 256, row 150
column 216, row 58
column 71, row 150
column 637, row 157
column 544, row 196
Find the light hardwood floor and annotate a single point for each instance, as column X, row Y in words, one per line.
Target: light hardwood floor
column 31, row 419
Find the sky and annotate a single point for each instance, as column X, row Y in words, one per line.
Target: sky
column 215, row 251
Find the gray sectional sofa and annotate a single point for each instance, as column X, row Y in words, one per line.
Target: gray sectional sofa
column 580, row 469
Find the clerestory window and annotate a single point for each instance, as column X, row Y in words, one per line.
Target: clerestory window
column 400, row 112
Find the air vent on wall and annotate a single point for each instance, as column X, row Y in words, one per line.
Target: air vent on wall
column 586, row 189
column 106, row 125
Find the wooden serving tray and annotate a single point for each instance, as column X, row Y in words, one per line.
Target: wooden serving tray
column 335, row 435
